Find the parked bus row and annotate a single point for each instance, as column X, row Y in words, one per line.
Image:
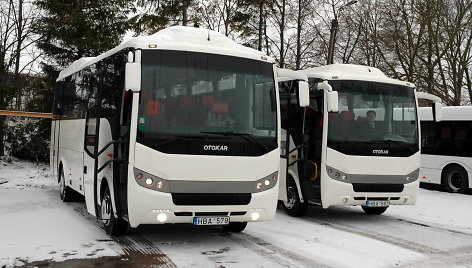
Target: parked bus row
column 187, row 126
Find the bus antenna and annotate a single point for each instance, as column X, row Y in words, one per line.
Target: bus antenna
column 208, row 35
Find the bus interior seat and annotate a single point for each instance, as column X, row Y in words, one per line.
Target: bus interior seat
column 220, row 107
column 208, row 101
column 153, row 107
column 347, row 115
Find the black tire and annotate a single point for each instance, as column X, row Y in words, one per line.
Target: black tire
column 455, row 179
column 374, row 210
column 65, row 192
column 235, row 227
column 294, row 207
column 112, row 225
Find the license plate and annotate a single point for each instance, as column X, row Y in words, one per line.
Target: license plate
column 210, row 220
column 377, row 203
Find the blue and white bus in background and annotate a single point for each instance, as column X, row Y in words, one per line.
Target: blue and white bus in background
column 446, row 148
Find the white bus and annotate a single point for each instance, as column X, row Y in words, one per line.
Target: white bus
column 356, row 144
column 181, row 126
column 446, row 148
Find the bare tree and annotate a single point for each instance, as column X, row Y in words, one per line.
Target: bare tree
column 16, row 35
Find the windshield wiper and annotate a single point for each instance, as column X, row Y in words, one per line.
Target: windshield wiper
column 247, row 136
column 386, row 141
column 181, row 137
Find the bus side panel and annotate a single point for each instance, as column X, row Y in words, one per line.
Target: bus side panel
column 430, row 171
column 71, row 144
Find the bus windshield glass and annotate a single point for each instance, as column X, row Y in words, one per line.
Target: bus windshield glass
column 374, row 119
column 194, row 97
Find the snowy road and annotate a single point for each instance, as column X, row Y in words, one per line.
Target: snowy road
column 36, row 229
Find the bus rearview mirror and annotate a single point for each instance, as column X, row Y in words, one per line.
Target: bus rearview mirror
column 332, row 101
column 133, row 76
column 437, row 111
column 303, row 94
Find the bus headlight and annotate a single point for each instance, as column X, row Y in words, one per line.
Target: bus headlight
column 337, row 174
column 151, row 182
column 413, row 176
column 267, row 182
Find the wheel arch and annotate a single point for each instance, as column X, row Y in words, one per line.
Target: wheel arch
column 453, row 164
column 105, row 182
column 60, row 167
column 292, row 175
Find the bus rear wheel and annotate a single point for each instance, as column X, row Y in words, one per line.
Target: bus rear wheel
column 235, row 227
column 113, row 226
column 374, row 210
column 294, row 207
column 65, row 191
column 455, row 179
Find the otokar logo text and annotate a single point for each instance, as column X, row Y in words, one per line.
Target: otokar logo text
column 380, row 151
column 215, row 148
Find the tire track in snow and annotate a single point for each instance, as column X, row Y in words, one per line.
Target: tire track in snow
column 271, row 252
column 460, row 257
column 434, row 227
column 424, row 249
column 133, row 244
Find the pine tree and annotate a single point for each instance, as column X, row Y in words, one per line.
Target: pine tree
column 71, row 29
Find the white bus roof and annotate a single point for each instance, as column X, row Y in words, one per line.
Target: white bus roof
column 177, row 38
column 352, row 72
column 287, row 75
column 449, row 113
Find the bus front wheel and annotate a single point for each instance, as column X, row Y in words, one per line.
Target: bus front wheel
column 64, row 191
column 113, row 226
column 293, row 206
column 374, row 210
column 455, row 179
column 235, row 227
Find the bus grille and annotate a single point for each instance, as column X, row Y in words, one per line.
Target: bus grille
column 377, row 188
column 213, row 199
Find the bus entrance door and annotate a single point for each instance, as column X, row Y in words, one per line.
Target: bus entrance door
column 310, row 168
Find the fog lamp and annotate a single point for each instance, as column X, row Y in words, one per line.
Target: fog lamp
column 344, row 200
column 162, row 217
column 255, row 216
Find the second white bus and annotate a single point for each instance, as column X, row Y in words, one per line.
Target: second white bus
column 446, row 148
column 356, row 144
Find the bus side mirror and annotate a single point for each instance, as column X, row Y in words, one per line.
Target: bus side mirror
column 332, row 101
column 133, row 76
column 437, row 111
column 303, row 94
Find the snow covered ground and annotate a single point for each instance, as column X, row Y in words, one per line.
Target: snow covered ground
column 37, row 229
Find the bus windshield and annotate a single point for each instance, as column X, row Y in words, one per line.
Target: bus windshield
column 198, row 96
column 373, row 118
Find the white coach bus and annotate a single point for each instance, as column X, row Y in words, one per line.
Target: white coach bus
column 446, row 148
column 181, row 126
column 356, row 144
